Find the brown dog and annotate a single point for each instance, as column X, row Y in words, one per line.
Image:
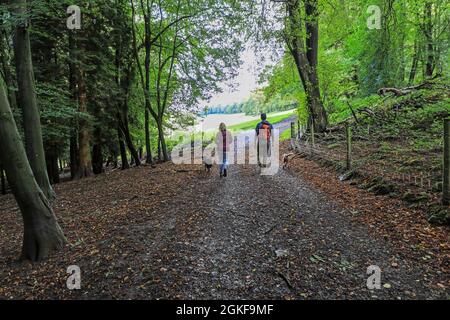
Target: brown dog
column 286, row 159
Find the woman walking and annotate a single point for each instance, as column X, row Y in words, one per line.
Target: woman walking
column 224, row 139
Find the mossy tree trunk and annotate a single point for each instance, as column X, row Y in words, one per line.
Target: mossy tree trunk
column 305, row 54
column 28, row 102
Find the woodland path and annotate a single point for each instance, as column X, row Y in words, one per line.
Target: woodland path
column 170, row 233
column 229, row 249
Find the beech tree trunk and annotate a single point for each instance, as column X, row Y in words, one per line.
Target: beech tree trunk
column 7, row 71
column 3, row 179
column 306, row 58
column 28, row 102
column 42, row 233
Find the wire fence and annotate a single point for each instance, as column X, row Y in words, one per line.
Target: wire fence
column 355, row 155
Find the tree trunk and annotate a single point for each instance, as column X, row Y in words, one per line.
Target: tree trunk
column 28, row 103
column 97, row 148
column 85, row 163
column 148, row 149
column 61, row 165
column 129, row 141
column 312, row 33
column 415, row 63
column 42, row 233
column 74, row 152
column 97, row 159
column 428, row 28
column 123, row 150
column 9, row 79
column 162, row 141
column 3, row 179
column 51, row 156
column 160, row 157
column 148, row 106
column 306, row 59
column 124, row 79
column 145, row 80
column 74, row 161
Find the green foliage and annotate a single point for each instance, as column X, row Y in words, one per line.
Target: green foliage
column 253, row 106
column 191, row 58
column 58, row 114
column 285, row 135
column 355, row 61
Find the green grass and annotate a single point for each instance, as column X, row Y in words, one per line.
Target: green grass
column 286, row 135
column 209, row 136
column 249, row 125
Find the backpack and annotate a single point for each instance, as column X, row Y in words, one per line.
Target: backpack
column 267, row 131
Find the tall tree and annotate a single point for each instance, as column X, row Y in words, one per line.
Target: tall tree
column 145, row 77
column 42, row 233
column 305, row 54
column 189, row 48
column 428, row 32
column 124, row 78
column 28, row 100
column 84, row 136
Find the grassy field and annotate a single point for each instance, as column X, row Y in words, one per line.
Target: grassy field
column 272, row 117
column 286, row 135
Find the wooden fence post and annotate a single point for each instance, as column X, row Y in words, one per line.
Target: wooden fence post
column 300, row 135
column 446, row 169
column 312, row 136
column 293, row 135
column 348, row 131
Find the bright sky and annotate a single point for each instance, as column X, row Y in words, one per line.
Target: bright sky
column 244, row 83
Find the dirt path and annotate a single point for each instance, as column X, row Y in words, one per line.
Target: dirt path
column 174, row 233
column 222, row 243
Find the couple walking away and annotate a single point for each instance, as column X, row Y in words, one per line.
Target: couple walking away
column 224, row 140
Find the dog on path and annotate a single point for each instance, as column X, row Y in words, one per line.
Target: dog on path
column 208, row 164
column 286, row 159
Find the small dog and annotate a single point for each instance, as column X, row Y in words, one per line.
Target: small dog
column 208, row 164
column 286, row 159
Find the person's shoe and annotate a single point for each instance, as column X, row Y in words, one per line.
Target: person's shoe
column 221, row 175
column 225, row 173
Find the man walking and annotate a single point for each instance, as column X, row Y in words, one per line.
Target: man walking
column 264, row 137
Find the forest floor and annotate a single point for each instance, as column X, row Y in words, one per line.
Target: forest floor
column 397, row 148
column 177, row 232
